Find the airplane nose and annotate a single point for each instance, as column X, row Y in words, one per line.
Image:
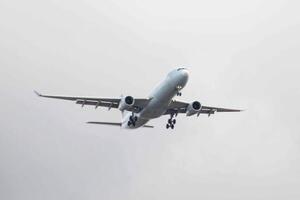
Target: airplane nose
column 185, row 74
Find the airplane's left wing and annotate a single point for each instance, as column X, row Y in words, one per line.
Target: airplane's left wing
column 139, row 104
column 182, row 107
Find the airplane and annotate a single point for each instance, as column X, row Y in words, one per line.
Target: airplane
column 137, row 112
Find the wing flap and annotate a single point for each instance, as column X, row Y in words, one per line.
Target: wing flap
column 97, row 103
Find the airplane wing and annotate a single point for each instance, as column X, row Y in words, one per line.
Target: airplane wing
column 139, row 104
column 181, row 107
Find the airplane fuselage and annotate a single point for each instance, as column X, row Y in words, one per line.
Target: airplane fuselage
column 160, row 98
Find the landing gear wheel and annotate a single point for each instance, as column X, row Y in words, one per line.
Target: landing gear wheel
column 172, row 126
column 174, row 121
column 167, row 126
column 132, row 120
column 170, row 121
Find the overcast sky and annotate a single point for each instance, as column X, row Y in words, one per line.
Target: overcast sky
column 241, row 54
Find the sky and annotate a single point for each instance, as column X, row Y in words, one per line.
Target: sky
column 240, row 54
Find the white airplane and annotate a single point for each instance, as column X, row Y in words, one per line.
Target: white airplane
column 137, row 112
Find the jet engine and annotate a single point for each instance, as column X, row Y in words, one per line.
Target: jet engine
column 126, row 102
column 193, row 108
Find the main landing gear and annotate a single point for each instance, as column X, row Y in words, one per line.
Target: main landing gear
column 132, row 120
column 171, row 122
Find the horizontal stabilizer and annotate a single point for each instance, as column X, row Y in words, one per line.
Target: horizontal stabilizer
column 105, row 123
column 115, row 124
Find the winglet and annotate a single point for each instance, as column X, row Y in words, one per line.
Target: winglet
column 38, row 94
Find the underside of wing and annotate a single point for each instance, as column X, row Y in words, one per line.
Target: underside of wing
column 207, row 108
column 139, row 104
column 76, row 98
column 176, row 107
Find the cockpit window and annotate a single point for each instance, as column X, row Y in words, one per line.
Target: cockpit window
column 180, row 69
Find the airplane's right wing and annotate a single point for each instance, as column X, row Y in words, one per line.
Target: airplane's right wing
column 139, row 104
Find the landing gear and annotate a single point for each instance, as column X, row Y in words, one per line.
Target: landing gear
column 170, row 126
column 132, row 120
column 171, row 122
column 178, row 88
column 129, row 123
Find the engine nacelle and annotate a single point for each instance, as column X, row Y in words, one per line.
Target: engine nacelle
column 193, row 108
column 126, row 103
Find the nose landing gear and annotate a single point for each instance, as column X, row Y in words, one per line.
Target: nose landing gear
column 178, row 88
column 171, row 122
column 179, row 94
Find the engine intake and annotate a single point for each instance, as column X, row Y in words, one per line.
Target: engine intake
column 129, row 100
column 193, row 108
column 126, row 103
